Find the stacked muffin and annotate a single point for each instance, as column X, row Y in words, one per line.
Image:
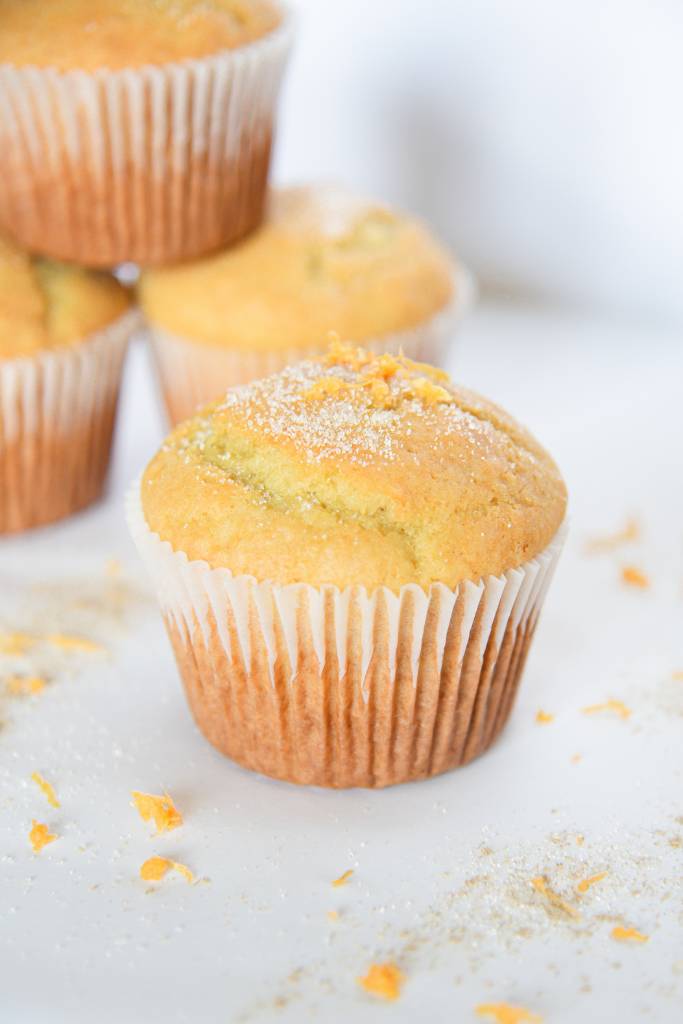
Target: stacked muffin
column 350, row 552
column 131, row 130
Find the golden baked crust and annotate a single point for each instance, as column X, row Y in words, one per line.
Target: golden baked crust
column 355, row 469
column 91, row 34
column 324, row 261
column 45, row 305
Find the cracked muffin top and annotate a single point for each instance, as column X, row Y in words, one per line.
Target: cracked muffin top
column 46, row 305
column 355, row 469
column 324, row 261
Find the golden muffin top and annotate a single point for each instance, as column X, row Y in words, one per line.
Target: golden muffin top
column 355, row 469
column 324, row 261
column 45, row 305
column 91, row 34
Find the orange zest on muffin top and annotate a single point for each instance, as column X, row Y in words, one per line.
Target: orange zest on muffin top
column 355, row 469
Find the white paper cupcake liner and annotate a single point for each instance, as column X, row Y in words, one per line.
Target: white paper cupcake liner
column 151, row 164
column 192, row 374
column 57, row 412
column 344, row 688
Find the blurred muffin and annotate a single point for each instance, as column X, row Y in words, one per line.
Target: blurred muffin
column 136, row 129
column 63, row 334
column 324, row 261
column 350, row 556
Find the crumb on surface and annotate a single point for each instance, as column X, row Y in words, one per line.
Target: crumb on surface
column 15, row 643
column 39, row 836
column 383, row 980
column 631, row 576
column 506, row 1013
column 575, row 758
column 628, row 935
column 542, row 886
column 47, row 789
column 155, row 868
column 332, row 915
column 586, row 883
column 160, row 809
column 616, row 706
column 609, row 542
column 544, row 717
column 343, row 879
column 25, row 686
column 677, row 676
column 66, row 642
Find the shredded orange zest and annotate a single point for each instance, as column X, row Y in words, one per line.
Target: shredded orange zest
column 617, row 706
column 15, row 643
column 428, row 392
column 585, row 884
column 73, row 643
column 155, row 868
column 46, row 788
column 380, row 394
column 505, row 1013
column 343, row 879
column 385, row 367
column 324, row 388
column 40, row 836
column 544, row 717
column 383, row 980
column 630, row 532
column 580, row 840
column 24, row 686
column 425, row 368
column 160, row 809
column 332, row 915
column 343, row 354
column 628, row 935
column 634, row 577
column 541, row 886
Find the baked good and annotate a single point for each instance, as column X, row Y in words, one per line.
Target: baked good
column 351, row 557
column 136, row 129
column 63, row 335
column 326, row 261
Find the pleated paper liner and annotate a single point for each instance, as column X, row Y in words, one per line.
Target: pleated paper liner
column 57, row 412
column 343, row 688
column 192, row 375
column 152, row 164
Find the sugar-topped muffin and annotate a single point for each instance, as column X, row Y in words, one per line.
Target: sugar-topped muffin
column 46, row 305
column 88, row 34
column 325, row 261
column 351, row 556
column 355, row 470
column 137, row 130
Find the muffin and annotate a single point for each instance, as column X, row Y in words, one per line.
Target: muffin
column 136, row 129
column 63, row 335
column 351, row 557
column 324, row 261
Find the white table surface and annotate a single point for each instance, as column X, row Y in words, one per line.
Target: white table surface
column 442, row 869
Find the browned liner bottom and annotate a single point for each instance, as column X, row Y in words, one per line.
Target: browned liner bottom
column 320, row 730
column 72, row 211
column 45, row 478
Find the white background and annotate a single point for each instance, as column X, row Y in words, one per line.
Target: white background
column 542, row 139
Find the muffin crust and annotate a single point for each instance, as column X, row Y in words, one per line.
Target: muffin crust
column 355, row 470
column 46, row 305
column 90, row 34
column 325, row 261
